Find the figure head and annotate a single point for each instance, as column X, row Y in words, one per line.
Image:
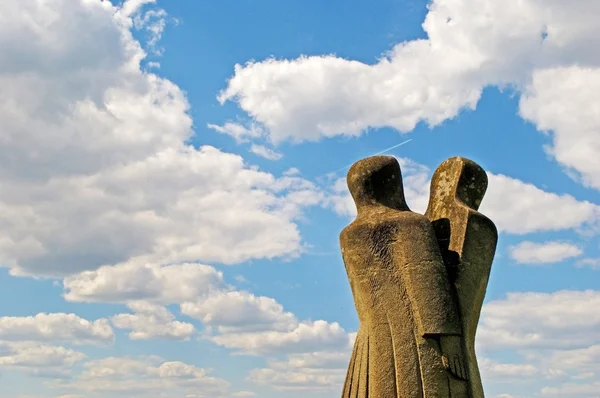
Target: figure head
column 376, row 181
column 462, row 179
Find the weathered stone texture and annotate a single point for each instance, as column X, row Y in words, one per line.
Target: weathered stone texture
column 413, row 339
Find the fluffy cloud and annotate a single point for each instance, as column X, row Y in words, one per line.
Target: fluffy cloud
column 530, row 207
column 239, row 311
column 321, row 370
column 94, row 148
column 564, row 100
column 586, row 390
column 492, row 369
column 55, row 327
column 560, row 320
column 38, row 359
column 540, row 48
column 238, row 320
column 543, row 253
column 147, row 377
column 258, row 325
column 555, row 335
column 305, row 337
column 152, row 321
column 160, row 284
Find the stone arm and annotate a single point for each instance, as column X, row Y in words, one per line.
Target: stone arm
column 429, row 289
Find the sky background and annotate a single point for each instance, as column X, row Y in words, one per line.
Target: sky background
column 172, row 186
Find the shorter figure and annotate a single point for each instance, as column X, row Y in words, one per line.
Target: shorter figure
column 468, row 240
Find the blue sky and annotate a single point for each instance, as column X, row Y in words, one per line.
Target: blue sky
column 172, row 186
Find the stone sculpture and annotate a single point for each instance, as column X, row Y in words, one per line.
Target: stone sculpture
column 418, row 281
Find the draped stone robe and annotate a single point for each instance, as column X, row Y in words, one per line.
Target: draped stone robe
column 468, row 242
column 401, row 291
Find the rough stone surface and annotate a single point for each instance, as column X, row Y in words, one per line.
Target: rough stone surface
column 411, row 342
column 467, row 240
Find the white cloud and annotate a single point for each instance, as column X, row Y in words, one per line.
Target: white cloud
column 291, row 171
column 94, row 148
column 265, row 152
column 302, row 379
column 243, row 394
column 582, row 360
column 561, row 320
column 154, row 23
column 593, row 263
column 152, row 321
column 530, row 207
column 305, row 337
column 131, row 7
column 239, row 311
column 160, row 284
column 147, row 377
column 572, row 390
column 258, row 325
column 319, row 360
column 564, row 100
column 321, row 370
column 543, row 253
column 38, row 359
column 238, row 320
column 555, row 335
column 339, row 199
column 239, row 132
column 493, row 369
column 539, row 48
column 56, row 327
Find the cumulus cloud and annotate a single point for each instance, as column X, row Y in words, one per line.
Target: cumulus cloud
column 493, row 369
column 307, row 336
column 152, row 321
column 160, row 284
column 234, row 319
column 564, row 100
column 143, row 376
column 321, row 370
column 555, row 335
column 585, row 390
column 258, row 325
column 94, row 148
column 38, row 359
column 56, row 327
column 560, row 320
column 236, row 311
column 530, row 207
column 543, row 253
column 539, row 48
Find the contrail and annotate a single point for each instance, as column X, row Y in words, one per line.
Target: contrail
column 375, row 154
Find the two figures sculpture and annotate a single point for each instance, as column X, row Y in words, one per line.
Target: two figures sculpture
column 418, row 281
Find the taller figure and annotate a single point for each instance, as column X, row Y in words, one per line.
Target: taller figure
column 468, row 240
column 410, row 341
